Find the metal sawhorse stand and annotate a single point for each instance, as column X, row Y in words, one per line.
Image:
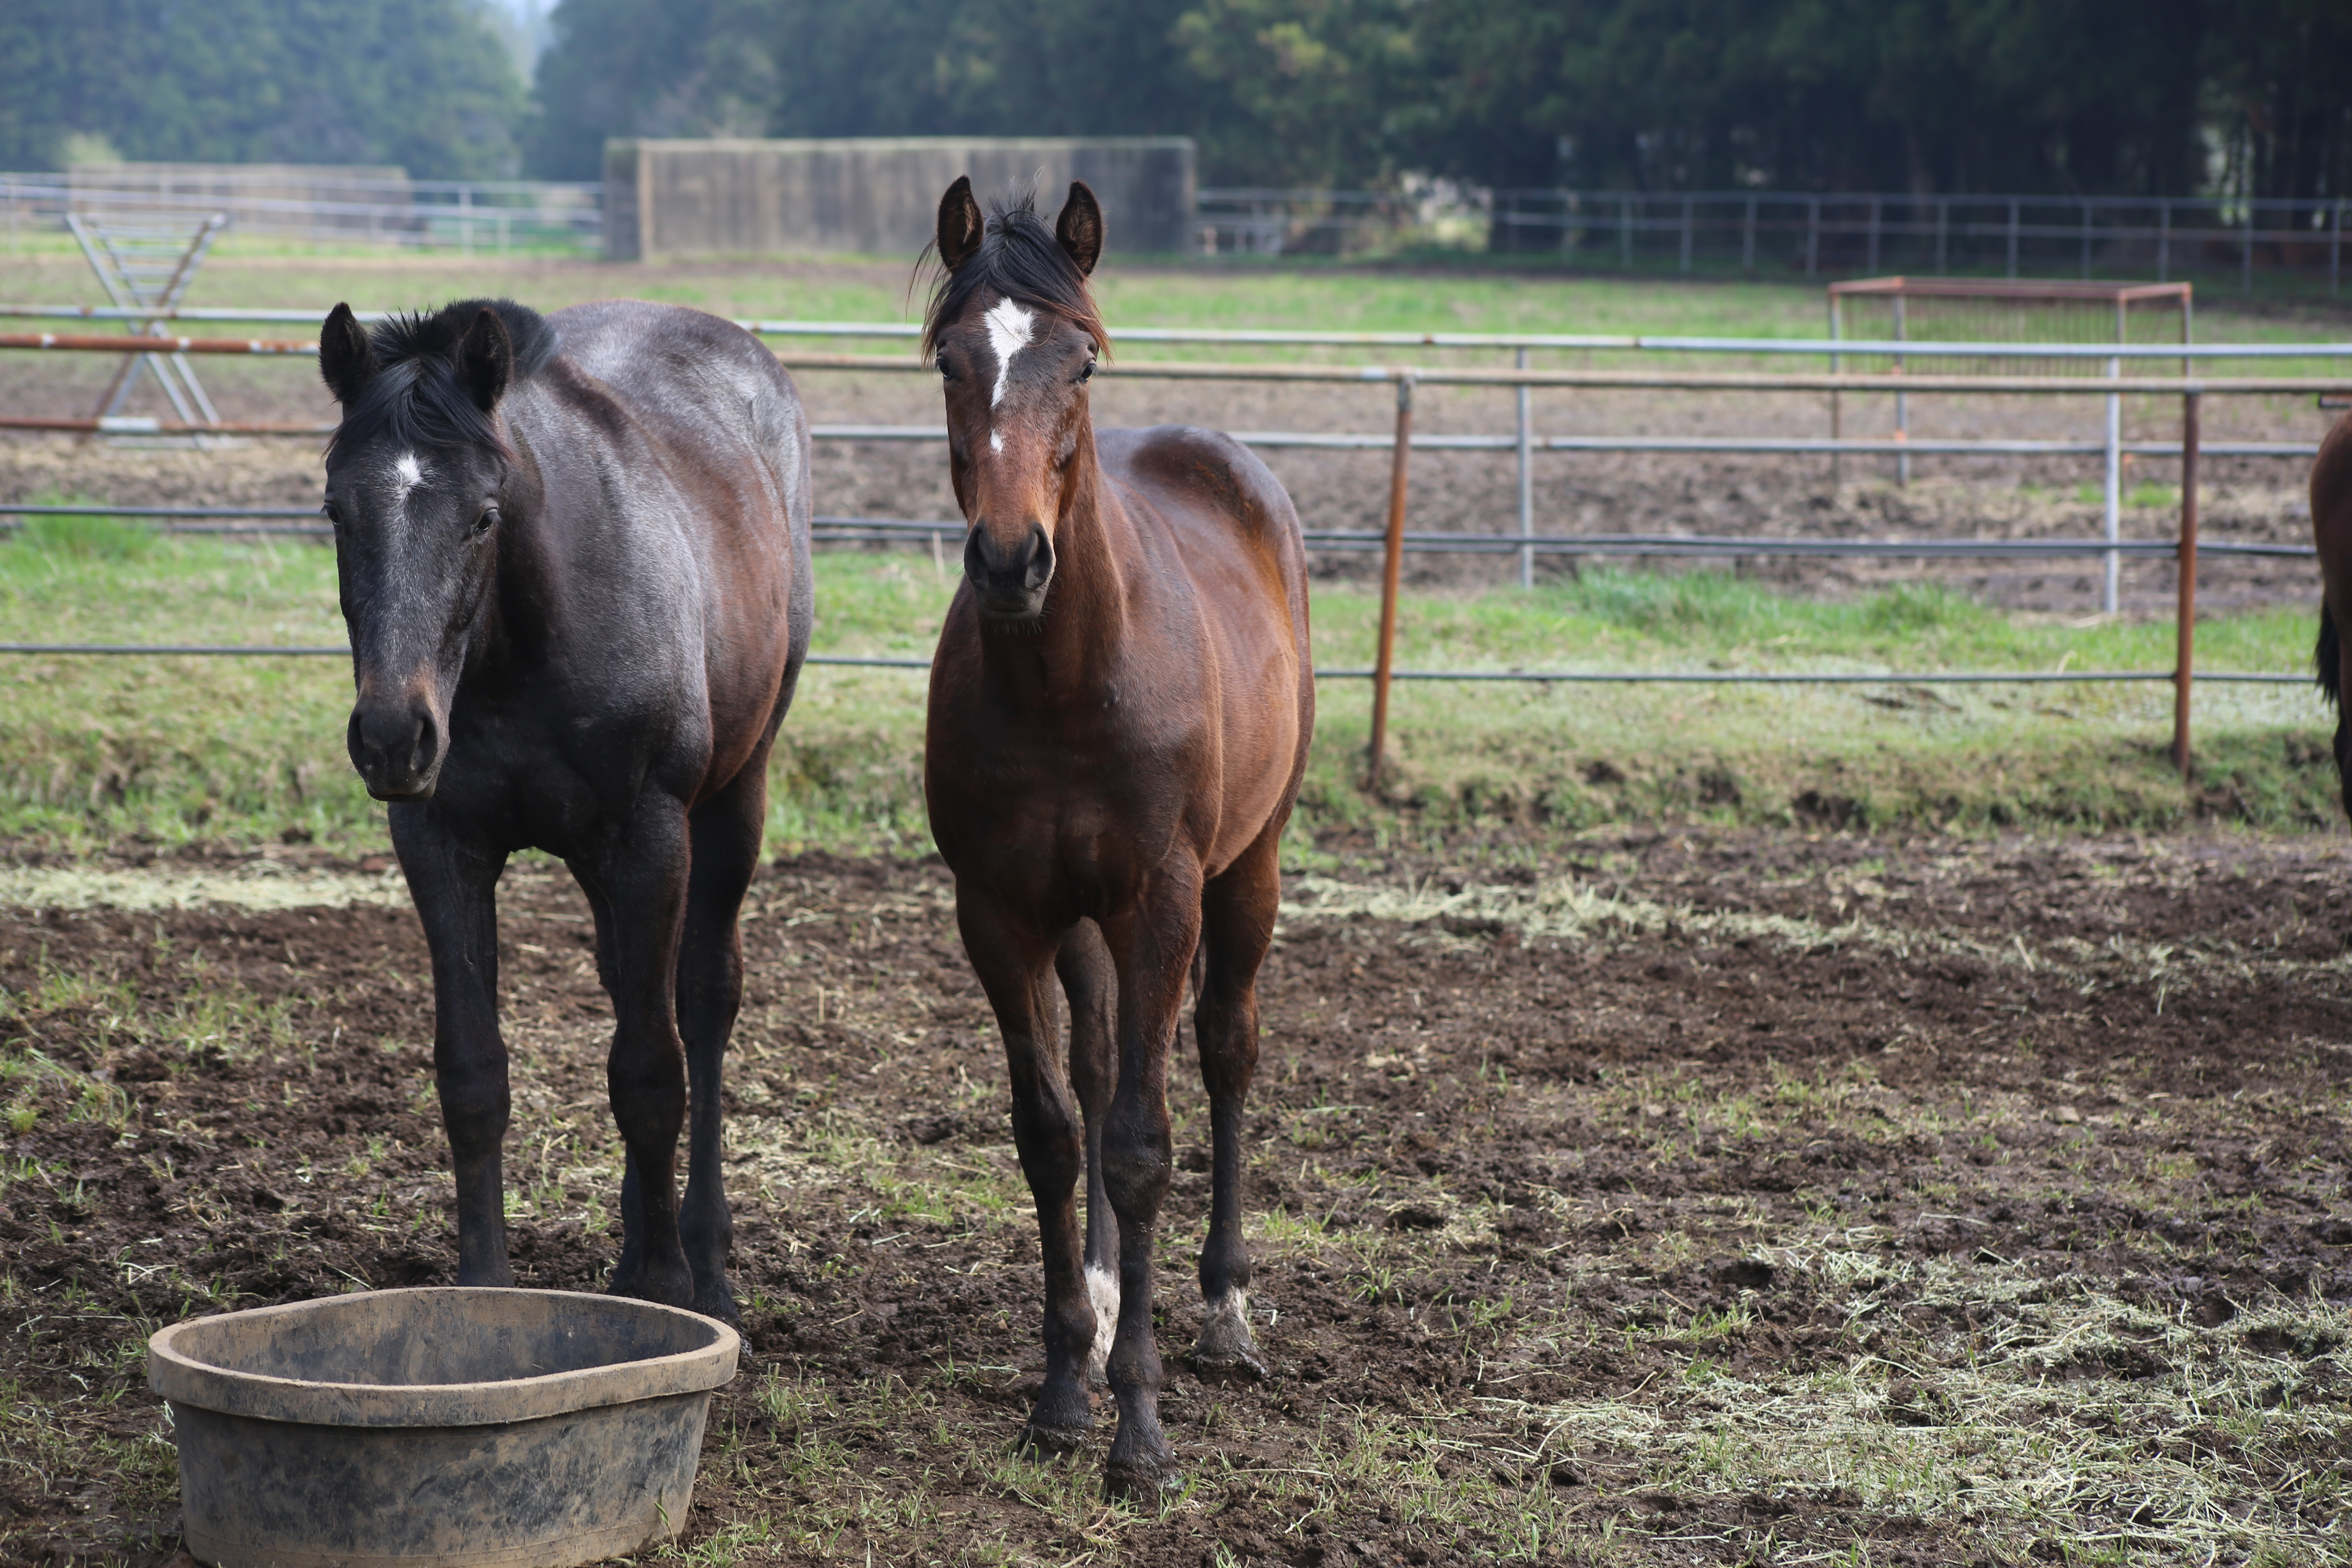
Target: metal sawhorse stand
column 144, row 266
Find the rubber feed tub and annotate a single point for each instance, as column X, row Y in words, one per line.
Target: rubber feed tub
column 521, row 1429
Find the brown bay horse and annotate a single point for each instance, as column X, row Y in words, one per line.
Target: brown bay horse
column 573, row 553
column 1120, row 708
column 2331, row 530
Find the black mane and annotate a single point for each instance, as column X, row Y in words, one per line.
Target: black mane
column 1020, row 258
column 413, row 397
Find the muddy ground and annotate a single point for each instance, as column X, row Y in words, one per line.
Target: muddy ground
column 1643, row 1198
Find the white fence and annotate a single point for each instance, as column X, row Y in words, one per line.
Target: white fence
column 1808, row 234
column 461, row 215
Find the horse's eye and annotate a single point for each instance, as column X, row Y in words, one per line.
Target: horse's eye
column 487, row 520
column 1087, row 371
column 947, row 371
column 333, row 514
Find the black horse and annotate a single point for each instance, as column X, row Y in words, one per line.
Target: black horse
column 574, row 561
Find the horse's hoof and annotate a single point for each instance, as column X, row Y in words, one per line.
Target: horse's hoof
column 718, row 1302
column 1140, row 1481
column 1230, row 1365
column 1225, row 1353
column 1039, row 1441
column 664, row 1287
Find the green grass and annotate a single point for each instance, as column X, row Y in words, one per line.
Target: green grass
column 169, row 750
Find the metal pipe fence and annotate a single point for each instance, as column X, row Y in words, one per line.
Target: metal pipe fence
column 1397, row 540
column 1815, row 234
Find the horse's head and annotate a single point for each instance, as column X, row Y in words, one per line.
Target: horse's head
column 1015, row 335
column 415, row 477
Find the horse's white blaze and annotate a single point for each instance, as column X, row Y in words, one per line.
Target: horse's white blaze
column 995, row 442
column 407, row 473
column 1102, row 1290
column 1009, row 327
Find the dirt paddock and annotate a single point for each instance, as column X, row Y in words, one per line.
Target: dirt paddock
column 1651, row 1198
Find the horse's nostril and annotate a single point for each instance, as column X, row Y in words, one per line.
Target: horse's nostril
column 427, row 745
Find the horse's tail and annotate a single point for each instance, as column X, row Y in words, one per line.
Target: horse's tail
column 2327, row 659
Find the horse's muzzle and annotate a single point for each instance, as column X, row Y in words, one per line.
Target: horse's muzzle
column 1009, row 584
column 397, row 748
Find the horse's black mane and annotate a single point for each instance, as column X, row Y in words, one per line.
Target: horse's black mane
column 413, row 397
column 1020, row 258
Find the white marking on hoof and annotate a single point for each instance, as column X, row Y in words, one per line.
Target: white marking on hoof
column 1102, row 1290
column 1230, row 1313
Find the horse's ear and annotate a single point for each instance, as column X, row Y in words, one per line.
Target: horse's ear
column 345, row 360
column 959, row 224
column 485, row 360
column 1080, row 227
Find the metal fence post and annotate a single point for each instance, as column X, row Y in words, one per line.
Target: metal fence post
column 1527, row 484
column 1391, row 566
column 2115, row 488
column 1837, row 362
column 1902, row 404
column 2184, row 665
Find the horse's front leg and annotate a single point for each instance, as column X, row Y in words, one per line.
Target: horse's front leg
column 1090, row 981
column 1152, row 944
column 641, row 885
column 455, row 885
column 1011, row 956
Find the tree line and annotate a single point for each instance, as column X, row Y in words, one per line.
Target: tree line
column 2131, row 97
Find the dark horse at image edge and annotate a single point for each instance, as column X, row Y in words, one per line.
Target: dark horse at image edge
column 1120, row 708
column 573, row 553
column 2331, row 530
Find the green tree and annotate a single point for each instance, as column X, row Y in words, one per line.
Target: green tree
column 426, row 84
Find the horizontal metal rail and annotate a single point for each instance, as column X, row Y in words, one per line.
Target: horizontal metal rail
column 884, row 530
column 1545, row 677
column 1286, row 337
column 1178, row 370
column 1347, row 441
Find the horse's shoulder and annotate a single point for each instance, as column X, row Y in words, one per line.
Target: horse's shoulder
column 1199, row 465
